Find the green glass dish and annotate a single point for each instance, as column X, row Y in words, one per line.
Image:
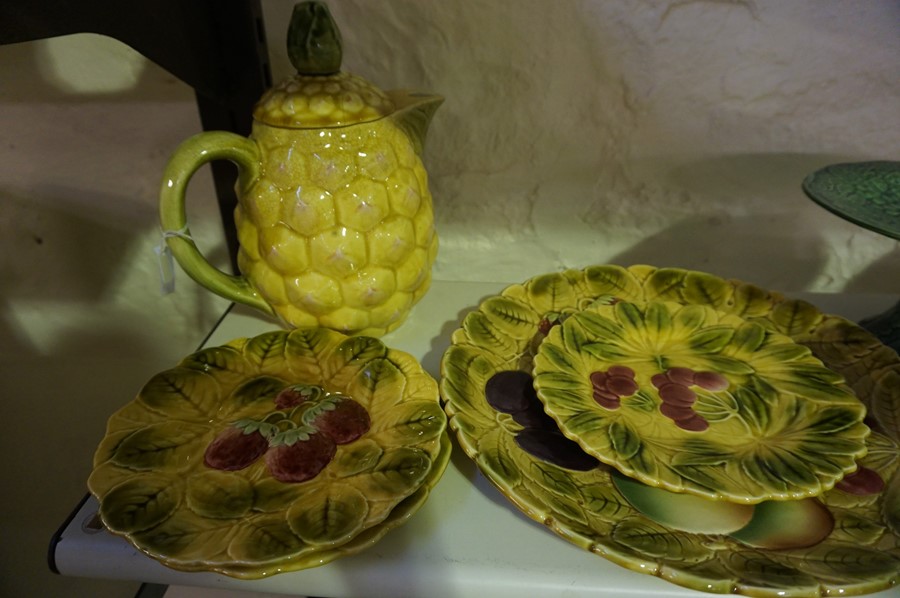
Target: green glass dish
column 865, row 193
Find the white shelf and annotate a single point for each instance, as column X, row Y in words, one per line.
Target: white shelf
column 467, row 540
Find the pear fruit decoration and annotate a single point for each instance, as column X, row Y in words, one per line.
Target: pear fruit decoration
column 335, row 218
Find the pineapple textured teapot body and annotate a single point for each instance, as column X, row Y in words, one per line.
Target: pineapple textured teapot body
column 334, row 220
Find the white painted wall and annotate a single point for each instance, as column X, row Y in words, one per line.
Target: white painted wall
column 671, row 133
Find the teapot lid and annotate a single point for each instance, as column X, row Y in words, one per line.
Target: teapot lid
column 320, row 94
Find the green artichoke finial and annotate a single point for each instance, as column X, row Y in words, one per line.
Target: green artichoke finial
column 313, row 40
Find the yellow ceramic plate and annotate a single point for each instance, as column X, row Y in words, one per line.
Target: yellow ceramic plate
column 692, row 399
column 257, row 455
column 486, row 386
column 315, row 558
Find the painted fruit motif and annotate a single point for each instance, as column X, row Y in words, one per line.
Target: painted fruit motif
column 290, row 445
column 298, row 437
column 302, row 460
column 512, row 392
column 501, row 338
column 695, row 400
column 774, row 525
column 345, row 423
column 234, row 449
column 684, row 512
column 786, row 524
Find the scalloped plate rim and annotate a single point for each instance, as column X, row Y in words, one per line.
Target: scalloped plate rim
column 663, row 570
column 438, row 448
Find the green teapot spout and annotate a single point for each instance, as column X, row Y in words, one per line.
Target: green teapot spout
column 414, row 111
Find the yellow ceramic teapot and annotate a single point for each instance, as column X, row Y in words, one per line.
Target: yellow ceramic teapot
column 334, row 220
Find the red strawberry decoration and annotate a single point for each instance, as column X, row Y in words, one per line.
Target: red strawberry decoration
column 302, row 460
column 294, row 395
column 234, row 449
column 345, row 422
column 299, row 437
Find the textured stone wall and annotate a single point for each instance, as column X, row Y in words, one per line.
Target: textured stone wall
column 671, row 133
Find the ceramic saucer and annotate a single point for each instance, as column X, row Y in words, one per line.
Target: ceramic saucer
column 692, row 399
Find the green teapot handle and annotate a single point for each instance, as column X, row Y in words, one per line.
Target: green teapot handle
column 187, row 159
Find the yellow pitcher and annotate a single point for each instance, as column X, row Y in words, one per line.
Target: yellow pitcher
column 335, row 219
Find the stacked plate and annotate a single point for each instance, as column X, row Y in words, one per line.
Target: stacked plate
column 272, row 454
column 720, row 436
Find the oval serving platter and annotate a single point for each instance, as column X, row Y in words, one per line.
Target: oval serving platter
column 500, row 423
column 271, row 454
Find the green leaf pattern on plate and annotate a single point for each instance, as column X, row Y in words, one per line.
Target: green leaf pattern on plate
column 186, row 535
column 154, row 488
column 262, row 539
column 654, row 540
column 855, row 528
column 409, row 422
column 330, row 516
column 251, row 399
column 360, row 456
column 564, row 508
column 184, row 393
column 757, row 447
column 141, row 502
column 168, row 444
column 712, row 563
column 266, row 352
column 218, row 495
column 398, row 473
column 761, row 570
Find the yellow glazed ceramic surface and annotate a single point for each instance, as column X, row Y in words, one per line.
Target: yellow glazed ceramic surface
column 335, row 218
column 696, row 400
column 272, row 454
column 844, row 542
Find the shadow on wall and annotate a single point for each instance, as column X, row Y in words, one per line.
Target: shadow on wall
column 76, row 247
column 758, row 227
column 59, row 268
column 745, row 181
column 884, row 272
column 55, row 253
column 762, row 249
column 57, row 405
column 80, row 336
